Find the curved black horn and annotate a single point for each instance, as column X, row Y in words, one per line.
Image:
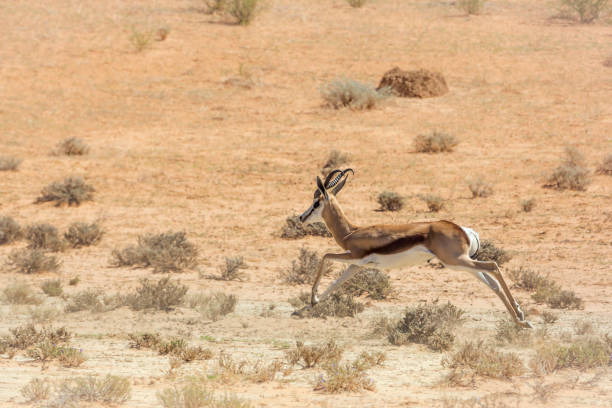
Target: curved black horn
column 339, row 186
column 327, row 183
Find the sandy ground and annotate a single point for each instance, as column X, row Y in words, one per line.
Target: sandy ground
column 177, row 144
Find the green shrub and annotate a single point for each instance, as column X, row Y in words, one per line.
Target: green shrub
column 390, row 201
column 435, row 142
column 52, row 287
column 32, row 261
column 44, row 236
column 348, row 93
column 10, row 231
column 82, row 234
column 72, row 146
column 71, row 191
column 8, row 163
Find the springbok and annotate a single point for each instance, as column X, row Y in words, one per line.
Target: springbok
column 392, row 246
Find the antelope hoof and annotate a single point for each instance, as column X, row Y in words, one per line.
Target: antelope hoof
column 520, row 314
column 300, row 312
column 525, row 324
column 314, row 300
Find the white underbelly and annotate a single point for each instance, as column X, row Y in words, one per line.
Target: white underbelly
column 417, row 255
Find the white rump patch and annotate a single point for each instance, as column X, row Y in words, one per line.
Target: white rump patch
column 474, row 240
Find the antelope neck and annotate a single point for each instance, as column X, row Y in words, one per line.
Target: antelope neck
column 336, row 221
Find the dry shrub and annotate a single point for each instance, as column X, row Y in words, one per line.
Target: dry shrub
column 583, row 327
column 195, row 395
column 483, row 360
column 161, row 295
column 348, row 93
column 529, row 280
column 232, row 269
column 243, row 10
column 145, row 340
column 36, row 390
column 72, row 191
column 489, row 252
column 111, row 389
column 584, row 353
column 25, row 336
column 82, row 234
column 335, row 160
column 52, row 287
column 369, row 359
column 8, row 163
column 70, row 357
column 10, row 231
column 309, row 356
column 43, row 314
column 546, row 290
column 74, row 281
column 527, row 205
column 420, row 83
column 345, row 377
column 434, row 203
column 356, row 3
column 586, row 10
column 294, row 228
column 571, row 174
column 429, row 324
column 336, row 305
column 604, row 168
column 390, row 201
column 480, row 188
column 371, row 281
column 304, row 269
column 93, row 300
column 213, row 307
column 20, row 293
column 508, row 332
column 471, row 6
column 44, row 236
column 229, row 370
column 141, row 40
column 549, row 317
column 435, row 142
column 72, row 146
column 46, row 351
column 165, row 252
column 176, row 347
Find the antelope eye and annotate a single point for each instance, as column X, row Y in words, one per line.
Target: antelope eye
column 316, row 204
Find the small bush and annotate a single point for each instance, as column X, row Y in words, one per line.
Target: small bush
column 348, row 93
column 480, row 188
column 214, row 306
column 43, row 314
column 507, row 331
column 390, row 201
column 8, row 163
column 489, row 252
column 196, row 395
column 435, row 142
column 25, row 336
column 44, row 236
column 309, row 356
column 141, row 40
column 529, row 280
column 582, row 327
column 71, row 191
column 20, row 293
column 93, row 300
column 36, row 390
column 74, row 281
column 296, row 229
column 70, row 357
column 604, row 168
column 165, row 252
column 546, row 290
column 582, row 354
column 564, row 299
column 82, row 234
column 527, row 205
column 571, row 174
column 336, row 305
column 32, row 261
column 483, row 360
column 356, row 3
column 434, row 203
column 111, row 389
column 371, row 281
column 304, row 269
column 335, row 160
column 52, row 287
column 371, row 359
column 232, row 269
column 342, row 377
column 243, row 10
column 215, row 6
column 549, row 317
column 471, row 6
column 72, row 146
column 10, row 231
column 145, row 340
column 160, row 295
column 587, row 10
column 429, row 324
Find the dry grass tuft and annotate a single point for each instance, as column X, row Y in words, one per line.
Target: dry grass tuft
column 243, row 10
column 32, row 261
column 44, row 236
column 176, row 347
column 483, row 360
column 587, row 11
column 346, row 377
column 508, row 332
column 480, row 188
column 489, row 252
column 604, row 168
column 337, row 305
column 304, row 269
column 232, row 269
column 335, row 160
column 348, row 93
column 74, row 281
column 356, row 3
column 111, row 389
column 25, row 336
column 93, row 300
column 582, row 354
column 294, row 229
column 10, row 231
column 195, row 395
column 82, row 234
column 471, row 6
column 390, row 201
column 435, row 142
column 549, row 317
column 527, row 205
column 52, row 287
column 309, row 356
column 371, row 281
column 141, row 40
column 161, row 295
column 36, row 390
column 571, row 174
column 73, row 146
column 165, row 252
column 213, row 307
column 546, row 290
column 529, row 280
column 8, row 163
column 434, row 203
column 72, row 191
column 43, row 314
column 20, row 293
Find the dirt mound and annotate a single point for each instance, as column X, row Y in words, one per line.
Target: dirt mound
column 414, row 84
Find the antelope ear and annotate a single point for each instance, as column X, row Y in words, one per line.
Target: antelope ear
column 322, row 188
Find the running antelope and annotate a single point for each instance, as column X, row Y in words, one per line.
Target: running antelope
column 393, row 246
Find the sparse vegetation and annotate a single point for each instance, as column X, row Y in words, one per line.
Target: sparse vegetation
column 507, row 331
column 546, row 290
column 195, row 394
column 232, row 269
column 337, row 305
column 348, row 93
column 528, row 279
column 20, row 293
column 93, row 300
column 480, row 188
column 176, row 347
column 369, row 280
column 215, row 6
column 32, row 261
column 82, row 234
column 25, row 336
column 604, row 168
column 304, row 269
column 527, row 205
column 10, row 231
column 587, row 10
column 435, row 142
column 111, row 389
column 161, row 295
column 296, row 229
column 335, row 160
column 434, row 203
column 471, row 6
column 483, row 360
column 43, row 314
column 390, row 201
column 356, row 3
column 584, row 353
column 36, row 390
column 72, row 191
column 8, row 163
column 74, row 281
column 141, row 40
column 165, row 252
column 213, row 306
column 340, row 377
column 489, row 252
column 571, row 174
column 549, row 317
column 52, row 287
column 243, row 10
column 43, row 236
column 73, row 146
column 310, row 356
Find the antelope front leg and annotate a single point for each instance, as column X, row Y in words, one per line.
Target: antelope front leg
column 314, row 299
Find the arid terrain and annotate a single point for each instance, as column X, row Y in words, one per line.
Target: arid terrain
column 219, row 130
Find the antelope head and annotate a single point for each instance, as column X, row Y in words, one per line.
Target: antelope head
column 332, row 185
